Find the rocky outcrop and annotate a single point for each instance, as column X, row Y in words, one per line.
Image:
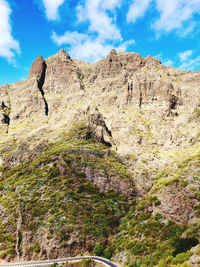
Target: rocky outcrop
column 38, row 70
column 105, row 183
column 176, row 203
column 149, row 61
column 120, row 80
column 97, row 127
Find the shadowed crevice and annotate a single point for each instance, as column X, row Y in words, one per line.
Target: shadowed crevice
column 5, row 114
column 40, row 83
column 6, row 119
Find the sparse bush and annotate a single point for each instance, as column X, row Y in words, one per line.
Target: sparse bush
column 86, row 263
column 107, row 253
column 197, row 111
column 181, row 258
column 98, row 249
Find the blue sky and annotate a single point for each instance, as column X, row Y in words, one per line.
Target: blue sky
column 89, row 29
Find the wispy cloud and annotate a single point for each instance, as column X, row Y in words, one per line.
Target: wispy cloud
column 95, row 12
column 137, row 9
column 101, row 35
column 165, row 61
column 172, row 15
column 168, row 63
column 187, row 61
column 51, row 7
column 191, row 64
column 87, row 48
column 8, row 45
column 184, row 55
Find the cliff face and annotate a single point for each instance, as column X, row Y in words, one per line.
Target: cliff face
column 137, row 133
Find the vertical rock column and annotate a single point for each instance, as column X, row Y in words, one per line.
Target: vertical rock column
column 38, row 71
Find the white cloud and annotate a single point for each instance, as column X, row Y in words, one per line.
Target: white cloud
column 191, row 64
column 8, row 46
column 52, row 7
column 87, row 48
column 184, row 55
column 168, row 63
column 165, row 61
column 95, row 12
column 71, row 38
column 187, row 62
column 137, row 10
column 173, row 14
column 101, row 35
column 185, row 31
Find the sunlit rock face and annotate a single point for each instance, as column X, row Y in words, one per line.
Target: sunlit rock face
column 136, row 132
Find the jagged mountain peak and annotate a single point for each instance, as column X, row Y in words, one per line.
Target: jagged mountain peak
column 150, row 59
column 113, row 52
column 37, row 68
column 62, row 54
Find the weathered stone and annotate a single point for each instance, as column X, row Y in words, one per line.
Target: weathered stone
column 37, row 68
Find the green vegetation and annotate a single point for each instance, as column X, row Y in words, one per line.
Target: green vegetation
column 197, row 111
column 184, row 167
column 34, row 248
column 52, row 192
column 7, row 241
column 86, row 263
column 150, row 239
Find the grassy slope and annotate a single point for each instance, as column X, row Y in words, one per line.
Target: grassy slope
column 148, row 236
column 48, row 192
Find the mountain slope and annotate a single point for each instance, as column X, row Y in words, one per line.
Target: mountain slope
column 101, row 157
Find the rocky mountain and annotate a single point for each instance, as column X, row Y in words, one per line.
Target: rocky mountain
column 101, row 158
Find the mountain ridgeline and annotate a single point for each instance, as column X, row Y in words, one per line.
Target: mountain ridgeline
column 101, row 159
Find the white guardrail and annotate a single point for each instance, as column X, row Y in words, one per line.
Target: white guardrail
column 49, row 262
